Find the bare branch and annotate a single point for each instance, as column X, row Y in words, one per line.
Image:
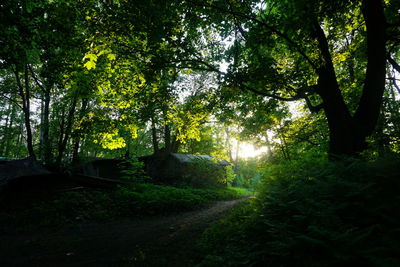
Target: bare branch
column 313, row 109
column 397, row 87
column 394, row 83
column 39, row 83
column 262, row 93
column 269, row 27
column 11, row 100
column 394, row 64
column 239, row 27
column 195, row 66
column 209, row 67
column 20, row 88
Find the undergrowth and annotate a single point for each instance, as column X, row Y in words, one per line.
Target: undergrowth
column 314, row 213
column 136, row 199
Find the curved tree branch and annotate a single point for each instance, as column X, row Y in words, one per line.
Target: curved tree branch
column 38, row 83
column 394, row 64
column 313, row 109
column 11, row 100
column 266, row 25
column 263, row 93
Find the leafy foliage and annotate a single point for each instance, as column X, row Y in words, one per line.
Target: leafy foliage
column 313, row 213
column 133, row 170
column 82, row 79
column 203, row 173
column 135, row 199
column 247, row 173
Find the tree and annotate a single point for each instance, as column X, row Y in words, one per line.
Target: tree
column 331, row 54
column 43, row 48
column 102, row 71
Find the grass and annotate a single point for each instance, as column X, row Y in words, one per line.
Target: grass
column 314, row 214
column 136, row 199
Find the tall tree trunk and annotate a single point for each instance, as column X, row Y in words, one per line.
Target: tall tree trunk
column 41, row 141
column 154, row 137
column 29, row 138
column 24, row 92
column 172, row 144
column 5, row 136
column 46, row 128
column 236, row 162
column 283, row 145
column 77, row 137
column 17, row 152
column 167, row 138
column 228, row 145
column 175, row 144
column 369, row 107
column 348, row 134
column 9, row 135
column 63, row 145
column 336, row 111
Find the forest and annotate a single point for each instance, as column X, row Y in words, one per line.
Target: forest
column 265, row 132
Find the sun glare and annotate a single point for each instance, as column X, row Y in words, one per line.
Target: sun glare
column 247, row 150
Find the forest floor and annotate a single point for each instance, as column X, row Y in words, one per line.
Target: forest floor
column 147, row 241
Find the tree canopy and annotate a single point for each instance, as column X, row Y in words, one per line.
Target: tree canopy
column 130, row 77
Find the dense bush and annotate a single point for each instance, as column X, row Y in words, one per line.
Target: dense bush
column 133, row 170
column 203, row 173
column 314, row 213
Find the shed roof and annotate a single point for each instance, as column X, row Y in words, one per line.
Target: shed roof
column 11, row 169
column 187, row 158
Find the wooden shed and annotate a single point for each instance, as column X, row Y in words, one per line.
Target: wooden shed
column 29, row 176
column 22, row 173
column 101, row 167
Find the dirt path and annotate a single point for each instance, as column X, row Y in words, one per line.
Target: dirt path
column 154, row 241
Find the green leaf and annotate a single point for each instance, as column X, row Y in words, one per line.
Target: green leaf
column 111, row 56
column 91, row 57
column 90, row 65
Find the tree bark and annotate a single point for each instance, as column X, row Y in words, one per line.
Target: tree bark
column 154, row 137
column 236, row 161
column 27, row 112
column 9, row 135
column 64, row 139
column 369, row 107
column 167, row 138
column 348, row 133
column 77, row 137
column 24, row 92
column 175, row 145
column 336, row 111
column 46, row 128
column 5, row 136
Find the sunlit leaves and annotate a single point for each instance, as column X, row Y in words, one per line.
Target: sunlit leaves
column 91, row 61
column 111, row 57
column 110, row 140
column 90, row 65
column 91, row 57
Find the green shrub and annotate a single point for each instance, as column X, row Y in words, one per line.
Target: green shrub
column 155, row 199
column 205, row 173
column 131, row 200
column 133, row 170
column 314, row 213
